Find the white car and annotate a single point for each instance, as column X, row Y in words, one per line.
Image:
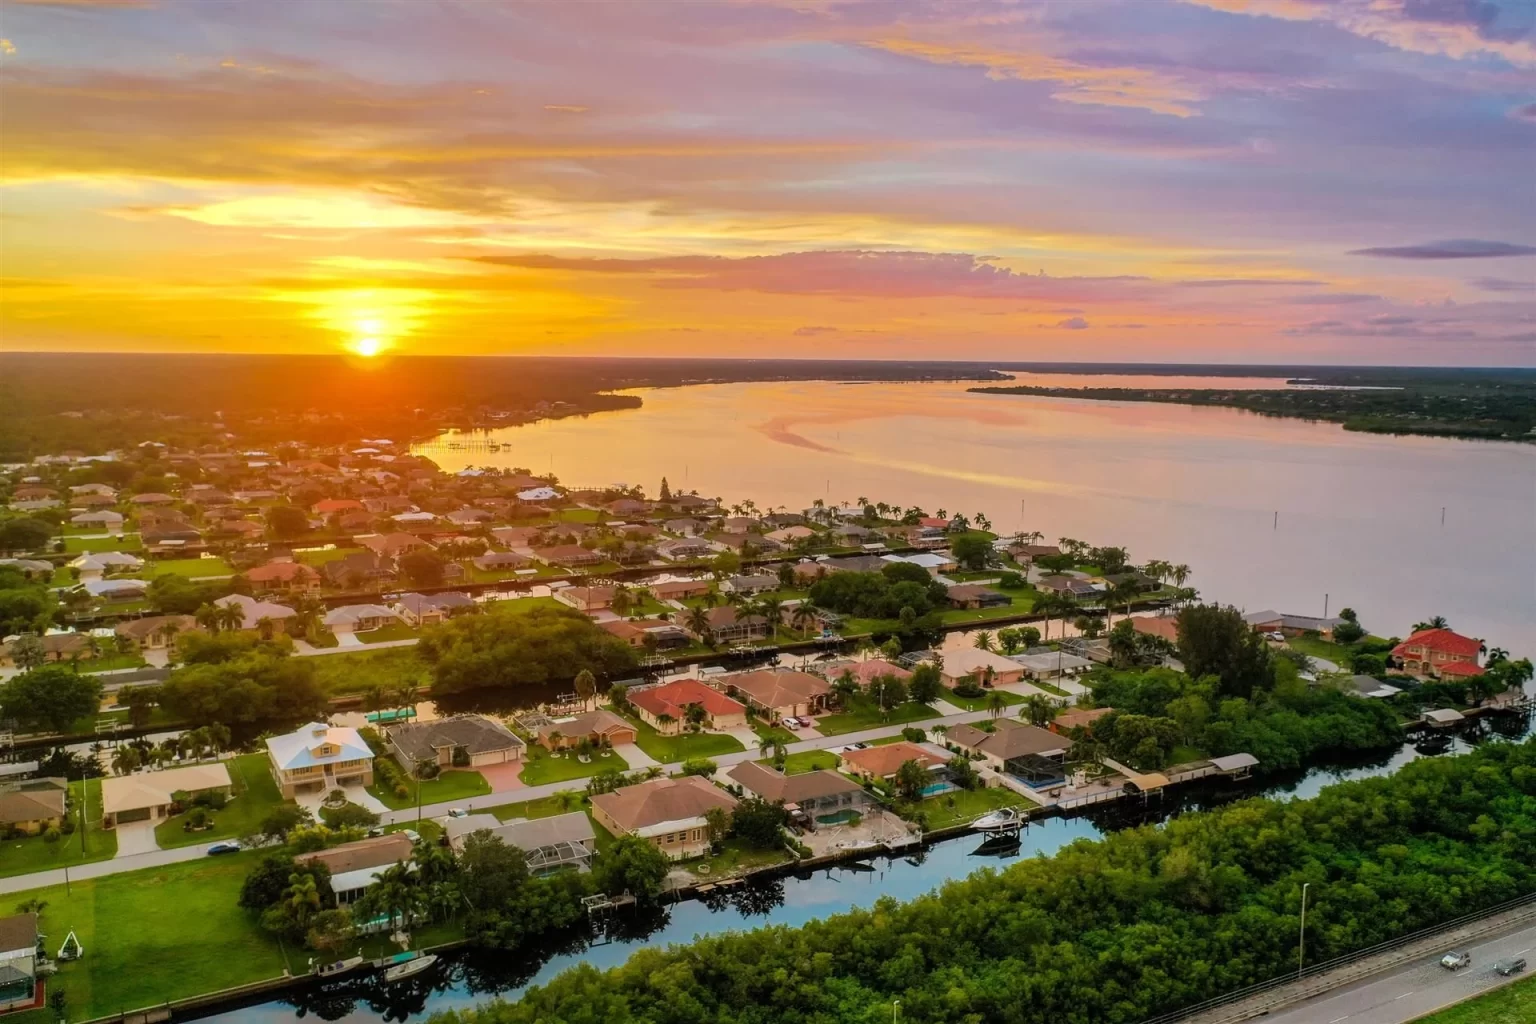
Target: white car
column 1455, row 960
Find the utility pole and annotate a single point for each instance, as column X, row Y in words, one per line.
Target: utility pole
column 1277, row 520
column 1325, row 606
column 1301, row 942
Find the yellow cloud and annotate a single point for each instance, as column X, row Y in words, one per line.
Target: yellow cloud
column 1075, row 82
column 565, row 108
column 332, row 211
column 7, row 47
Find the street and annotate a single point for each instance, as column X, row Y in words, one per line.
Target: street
column 1418, row 987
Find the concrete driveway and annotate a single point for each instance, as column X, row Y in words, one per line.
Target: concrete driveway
column 355, row 794
column 136, row 837
column 634, row 756
column 348, row 640
column 502, row 777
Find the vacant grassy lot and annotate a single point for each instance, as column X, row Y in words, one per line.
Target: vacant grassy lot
column 870, row 717
column 544, row 767
column 1317, row 647
column 390, row 668
column 671, row 749
column 735, row 858
column 980, row 703
column 78, row 545
column 449, row 787
column 1512, row 1004
column 387, row 632
column 191, row 568
column 543, row 807
column 255, row 797
column 807, row 761
column 153, row 935
column 34, row 853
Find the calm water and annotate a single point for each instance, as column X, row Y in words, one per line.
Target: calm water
column 469, row 979
column 1359, row 514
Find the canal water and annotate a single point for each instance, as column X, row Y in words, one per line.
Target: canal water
column 469, row 978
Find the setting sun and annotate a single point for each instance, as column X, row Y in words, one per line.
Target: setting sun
column 366, row 347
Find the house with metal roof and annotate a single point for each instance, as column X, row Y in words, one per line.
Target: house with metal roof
column 319, row 756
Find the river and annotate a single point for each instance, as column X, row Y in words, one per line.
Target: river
column 468, row 978
column 1359, row 519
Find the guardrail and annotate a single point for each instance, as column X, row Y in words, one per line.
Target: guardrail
column 1339, row 961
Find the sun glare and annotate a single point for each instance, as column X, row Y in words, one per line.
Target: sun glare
column 367, row 347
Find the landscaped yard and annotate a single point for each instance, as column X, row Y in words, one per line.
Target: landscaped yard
column 772, row 733
column 447, row 788
column 543, row 807
column 390, row 668
column 255, row 797
column 112, row 662
column 868, row 716
column 524, row 605
column 736, row 857
column 192, row 568
column 388, row 632
column 543, row 767
column 671, row 749
column 34, row 853
column 963, row 805
column 1512, row 1004
column 155, row 935
column 980, row 703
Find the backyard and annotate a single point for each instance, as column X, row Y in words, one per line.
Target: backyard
column 543, row 767
column 960, row 806
column 671, row 749
column 255, row 796
column 734, row 857
column 388, row 632
column 447, row 788
column 808, row 761
column 34, row 853
column 869, row 716
column 112, row 662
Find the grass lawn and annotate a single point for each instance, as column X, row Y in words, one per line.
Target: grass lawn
column 329, row 555
column 155, row 935
column 255, row 797
column 671, row 749
column 1023, row 602
column 34, row 853
column 79, row 545
column 543, row 807
column 390, row 668
column 1512, row 1004
column 191, row 568
column 1317, row 647
column 1184, row 755
column 736, row 857
column 113, row 661
column 524, row 605
column 772, row 732
column 543, row 767
column 963, row 805
column 391, row 631
column 980, row 703
column 807, row 761
column 869, row 717
column 448, row 787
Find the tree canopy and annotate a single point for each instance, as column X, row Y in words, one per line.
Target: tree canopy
column 880, row 595
column 1215, row 641
column 508, row 650
column 51, row 698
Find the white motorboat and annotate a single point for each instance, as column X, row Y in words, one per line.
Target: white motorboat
column 409, row 968
column 1005, row 819
column 336, row 967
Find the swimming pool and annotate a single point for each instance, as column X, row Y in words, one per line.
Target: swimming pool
column 936, row 788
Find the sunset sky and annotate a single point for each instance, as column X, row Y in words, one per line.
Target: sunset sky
column 1154, row 180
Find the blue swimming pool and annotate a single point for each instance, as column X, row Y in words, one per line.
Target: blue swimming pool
column 936, row 788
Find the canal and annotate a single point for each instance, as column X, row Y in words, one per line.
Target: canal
column 469, row 978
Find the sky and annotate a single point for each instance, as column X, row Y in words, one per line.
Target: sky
column 1233, row 181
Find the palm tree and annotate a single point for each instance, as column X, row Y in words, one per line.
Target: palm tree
column 697, row 621
column 301, row 899
column 664, row 721
column 209, row 617
column 996, row 702
column 910, row 780
column 1036, row 710
column 695, row 715
column 772, row 609
column 1437, row 622
column 586, row 685
column 125, row 759
column 803, row 617
column 983, row 641
column 623, row 601
column 1179, row 574
column 231, row 616
column 266, row 626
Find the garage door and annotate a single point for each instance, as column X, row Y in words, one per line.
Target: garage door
column 123, row 817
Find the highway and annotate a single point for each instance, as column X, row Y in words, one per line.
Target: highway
column 1418, row 987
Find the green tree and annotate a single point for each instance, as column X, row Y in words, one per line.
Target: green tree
column 424, row 568
column 1215, row 641
column 910, row 779
column 286, row 522
column 51, row 698
column 633, row 865
column 759, row 823
column 926, row 685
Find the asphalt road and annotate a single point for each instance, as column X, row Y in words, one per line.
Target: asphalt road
column 1416, row 988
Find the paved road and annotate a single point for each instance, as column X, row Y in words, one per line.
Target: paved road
column 158, row 858
column 1417, row 988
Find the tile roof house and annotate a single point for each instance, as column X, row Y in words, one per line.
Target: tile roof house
column 728, row 625
column 1437, row 652
column 1163, row 626
column 319, row 755
column 1010, row 739
column 1291, row 625
column 429, row 609
column 975, row 662
column 283, row 577
column 394, row 545
column 463, row 741
column 359, row 618
column 673, row 700
column 634, row 632
column 881, row 762
column 597, row 727
column 778, row 693
column 676, row 590
column 256, row 610
column 358, row 569
column 668, row 812
column 974, row 595
column 492, row 561
column 818, row 794
column 31, row 810
column 567, row 555
column 586, row 599
column 147, row 796
column 155, row 632
column 18, row 961
column 357, row 865
column 864, row 672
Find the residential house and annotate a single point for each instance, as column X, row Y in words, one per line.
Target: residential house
column 502, row 561
column 596, row 727
column 779, row 693
column 1431, row 653
column 665, row 707
column 469, row 517
column 748, row 545
column 116, row 590
column 388, row 504
column 668, row 635
column 549, row 844
column 935, row 562
column 1077, row 718
column 1015, row 747
column 568, row 555
column 358, row 618
column 1291, row 625
column 538, row 494
column 823, row 796
column 517, row 537
column 737, row 524
column 32, row 809
column 1044, row 663
column 155, row 633
column 727, row 625
column 253, row 611
column 92, row 501
column 983, row 666
column 358, row 569
column 1027, row 553
column 462, row 741
column 677, row 590
column 430, row 609
column 92, row 490
column 747, row 586
column 357, row 865
column 109, row 521
column 668, row 812
column 1369, row 687
column 686, row 527
column 1163, row 627
column 854, row 563
column 95, row 565
column 629, row 507
column 394, row 546
column 1075, row 587
column 682, row 549
column 791, row 534
column 976, row 596
column 147, row 796
column 18, row 962
column 283, row 577
column 863, row 672
column 882, row 762
column 152, row 498
column 319, row 756
column 335, row 506
column 586, row 599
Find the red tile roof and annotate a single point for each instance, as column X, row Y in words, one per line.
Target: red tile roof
column 1444, row 641
column 1460, row 668
column 672, row 698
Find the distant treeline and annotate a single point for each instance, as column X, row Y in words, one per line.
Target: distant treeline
column 1488, row 404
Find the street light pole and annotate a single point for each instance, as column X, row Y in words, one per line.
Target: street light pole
column 1301, row 942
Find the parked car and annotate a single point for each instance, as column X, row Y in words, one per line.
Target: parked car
column 794, row 723
column 457, row 812
column 1510, row 965
column 1455, row 960
column 228, row 846
column 411, row 834
column 376, row 831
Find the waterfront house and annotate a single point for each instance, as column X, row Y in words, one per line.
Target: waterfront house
column 1431, row 653
column 1075, row 587
column 728, row 625
column 502, row 561
column 1044, row 663
column 823, row 796
column 430, row 609
column 1077, row 718
column 283, row 577
column 568, row 555
column 18, row 962
column 863, row 672
column 747, row 586
column 665, row 707
column 779, row 693
column 668, row 812
column 358, row 618
column 1291, row 625
column 979, row 665
column 549, row 844
column 668, row 635
column 974, row 596
column 1162, row 626
column 394, row 546
column 1013, row 746
column 680, row 549
column 355, row 866
column 880, row 763
column 677, row 590
column 586, row 599
column 358, row 569
column 319, row 756
column 463, row 741
column 147, row 796
column 596, row 727
column 935, row 562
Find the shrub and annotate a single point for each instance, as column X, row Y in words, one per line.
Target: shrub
column 402, row 791
column 914, row 734
column 52, row 835
column 215, row 799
